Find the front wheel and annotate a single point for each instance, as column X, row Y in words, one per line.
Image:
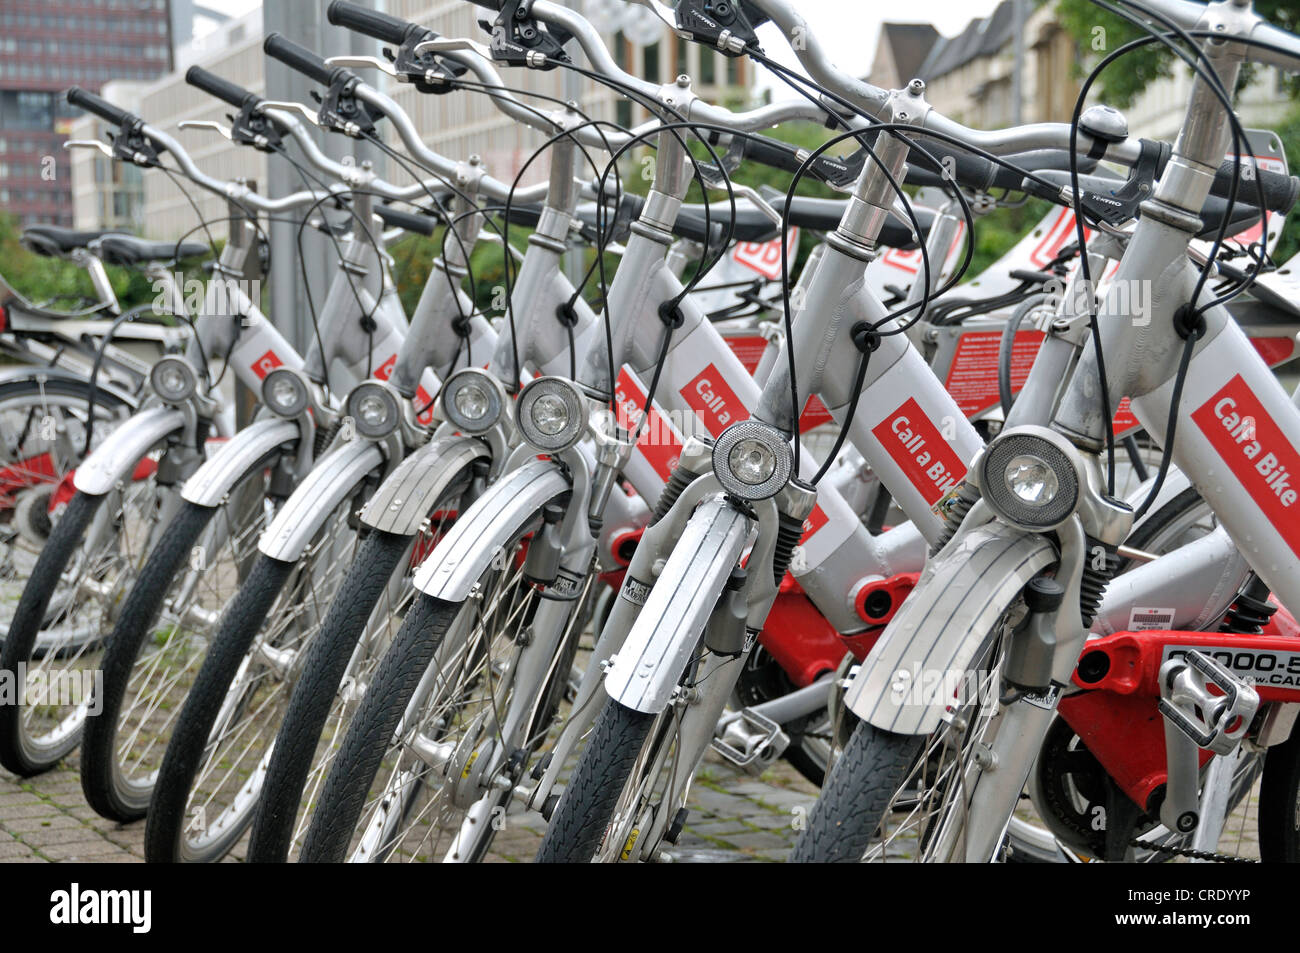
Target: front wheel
column 582, row 817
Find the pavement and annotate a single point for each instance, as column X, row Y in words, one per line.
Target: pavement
column 734, row 817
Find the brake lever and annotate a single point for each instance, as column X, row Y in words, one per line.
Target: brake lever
column 449, row 44
column 662, row 11
column 372, row 62
column 204, row 124
column 89, row 144
column 282, row 106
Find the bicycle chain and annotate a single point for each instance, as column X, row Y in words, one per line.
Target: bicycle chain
column 1192, row 852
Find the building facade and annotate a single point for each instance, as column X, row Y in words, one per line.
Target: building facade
column 45, row 47
column 457, row 125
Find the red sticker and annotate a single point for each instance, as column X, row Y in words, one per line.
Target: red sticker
column 658, row 443
column 910, row 437
column 710, row 396
column 385, row 370
column 749, row 349
column 973, row 375
column 423, row 405
column 815, row 521
column 266, row 364
column 765, row 257
column 814, row 414
column 1257, row 452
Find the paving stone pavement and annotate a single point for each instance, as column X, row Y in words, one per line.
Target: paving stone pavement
column 734, row 817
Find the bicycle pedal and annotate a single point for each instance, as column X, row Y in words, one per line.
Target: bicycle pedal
column 1216, row 722
column 1197, row 717
column 750, row 740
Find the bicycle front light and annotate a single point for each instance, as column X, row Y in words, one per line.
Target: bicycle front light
column 1031, row 477
column 552, row 414
column 752, row 460
column 285, row 393
column 472, row 400
column 374, row 408
column 173, row 379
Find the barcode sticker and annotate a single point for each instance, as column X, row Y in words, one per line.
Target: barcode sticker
column 1141, row 618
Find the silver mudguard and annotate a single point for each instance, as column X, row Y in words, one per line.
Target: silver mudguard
column 652, row 658
column 333, row 478
column 403, row 500
column 26, row 372
column 212, row 481
column 117, row 456
column 960, row 596
column 481, row 532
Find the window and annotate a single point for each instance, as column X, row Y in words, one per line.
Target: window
column 708, row 74
column 24, row 110
column 651, row 62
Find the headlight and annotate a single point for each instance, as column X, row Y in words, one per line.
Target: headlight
column 1030, row 477
column 173, row 379
column 752, row 460
column 552, row 414
column 374, row 409
column 285, row 393
column 472, row 400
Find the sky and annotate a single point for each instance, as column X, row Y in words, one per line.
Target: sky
column 847, row 28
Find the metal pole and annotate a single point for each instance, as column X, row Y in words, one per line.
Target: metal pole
column 303, row 22
column 1019, row 15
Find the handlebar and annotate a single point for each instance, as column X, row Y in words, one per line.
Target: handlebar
column 223, row 89
column 409, row 221
column 101, row 107
column 299, row 58
column 372, row 23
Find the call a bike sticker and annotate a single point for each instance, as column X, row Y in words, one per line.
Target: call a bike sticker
column 1257, row 452
column 926, row 459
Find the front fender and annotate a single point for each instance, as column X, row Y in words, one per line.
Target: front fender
column 117, row 456
column 961, row 595
column 668, row 628
column 487, row 527
column 403, row 500
column 260, row 439
column 26, row 372
column 329, row 483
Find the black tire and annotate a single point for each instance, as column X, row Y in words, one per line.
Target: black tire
column 133, row 667
column 587, row 805
column 856, row 795
column 165, row 826
column 314, row 694
column 100, row 783
column 18, row 753
column 1279, row 803
column 343, row 797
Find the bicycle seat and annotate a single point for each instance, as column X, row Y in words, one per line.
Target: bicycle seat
column 128, row 250
column 54, row 242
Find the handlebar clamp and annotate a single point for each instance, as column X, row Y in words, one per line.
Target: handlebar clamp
column 726, row 25
column 341, row 111
column 519, row 39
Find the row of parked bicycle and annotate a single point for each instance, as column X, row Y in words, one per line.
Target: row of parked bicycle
column 1002, row 563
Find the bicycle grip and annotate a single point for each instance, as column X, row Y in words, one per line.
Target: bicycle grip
column 223, row 89
column 1280, row 191
column 409, row 221
column 298, row 58
column 102, row 108
column 780, row 155
column 372, row 23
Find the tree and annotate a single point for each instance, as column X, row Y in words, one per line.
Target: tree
column 1098, row 31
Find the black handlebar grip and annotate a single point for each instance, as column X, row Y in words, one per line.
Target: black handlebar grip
column 100, row 107
column 1280, row 191
column 223, row 89
column 410, row 221
column 381, row 26
column 298, row 58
